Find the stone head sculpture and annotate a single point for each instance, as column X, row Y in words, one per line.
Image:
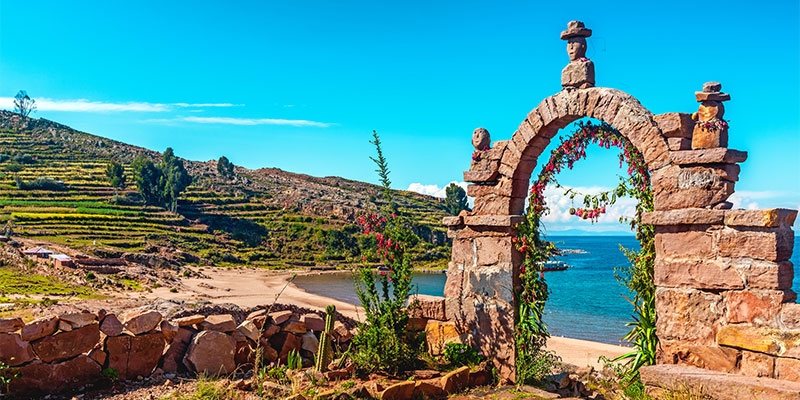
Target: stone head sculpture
column 481, row 139
column 576, row 35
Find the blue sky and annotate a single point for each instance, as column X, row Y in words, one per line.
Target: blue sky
column 301, row 85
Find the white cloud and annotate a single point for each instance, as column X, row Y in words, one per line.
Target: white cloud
column 434, row 190
column 255, row 121
column 84, row 105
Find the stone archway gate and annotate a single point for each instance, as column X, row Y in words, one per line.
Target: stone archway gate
column 723, row 278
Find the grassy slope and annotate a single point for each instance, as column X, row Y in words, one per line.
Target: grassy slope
column 264, row 218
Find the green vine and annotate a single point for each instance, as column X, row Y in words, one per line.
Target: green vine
column 638, row 277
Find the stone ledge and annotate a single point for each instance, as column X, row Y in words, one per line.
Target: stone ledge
column 776, row 342
column 480, row 176
column 452, row 221
column 675, row 125
column 493, row 220
column 716, row 385
column 770, row 218
column 708, row 156
column 684, row 216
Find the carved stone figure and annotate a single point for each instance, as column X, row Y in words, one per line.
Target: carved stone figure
column 710, row 129
column 481, row 139
column 579, row 73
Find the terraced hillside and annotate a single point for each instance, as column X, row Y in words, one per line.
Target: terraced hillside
column 53, row 189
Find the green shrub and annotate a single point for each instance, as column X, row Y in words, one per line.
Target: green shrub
column 459, row 354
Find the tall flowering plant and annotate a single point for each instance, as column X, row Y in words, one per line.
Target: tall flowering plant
column 533, row 292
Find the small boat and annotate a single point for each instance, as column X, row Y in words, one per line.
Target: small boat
column 549, row 266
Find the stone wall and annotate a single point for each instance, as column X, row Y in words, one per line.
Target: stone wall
column 66, row 352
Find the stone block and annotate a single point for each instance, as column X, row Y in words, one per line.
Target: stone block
column 675, row 125
column 168, row 329
column 787, row 369
column 481, row 190
column 677, row 144
column 398, row 391
column 39, row 328
column 313, row 322
column 219, row 322
column 770, row 218
column 708, row 156
column 757, row 365
column 78, row 320
column 710, row 357
column 15, row 351
column 38, row 377
column 493, row 220
column 688, row 216
column 145, row 352
column 341, row 333
column 9, row 325
column 111, row 325
column 309, row 342
column 249, row 330
column 190, row 320
column 141, row 321
column 455, row 380
column 492, row 205
column 428, row 388
column 212, row 353
column 453, row 221
column 699, row 273
column 689, row 187
column 294, row 326
column 65, row 345
column 439, row 333
column 765, row 340
column 715, row 96
column 773, row 244
column 717, row 385
column 703, row 138
column 430, row 307
column 697, row 243
column 754, row 306
column 480, row 176
column 789, row 317
column 688, row 314
column 280, row 317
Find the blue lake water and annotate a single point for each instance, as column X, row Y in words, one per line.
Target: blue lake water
column 586, row 301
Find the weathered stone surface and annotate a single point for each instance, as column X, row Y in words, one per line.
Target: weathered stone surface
column 703, row 96
column 141, row 321
column 439, row 333
column 675, row 125
column 771, row 218
column 677, row 187
column 212, row 353
column 269, row 329
column 38, row 377
column 677, row 144
column 99, row 356
column 286, row 342
column 757, row 364
column 578, row 74
column 172, row 361
column 453, row 221
column 341, row 333
column 787, row 369
column 789, row 317
column 760, row 339
column 688, row 314
column 280, row 317
column 455, row 380
column 15, row 351
column 697, row 273
column 118, row 349
column 8, row 325
column 493, row 220
column 481, row 139
column 190, row 320
column 168, row 329
column 145, row 351
column 712, row 357
column 294, row 326
column 267, row 351
column 427, row 306
column 708, row 156
column 703, row 138
column 313, row 322
column 754, row 306
column 249, row 330
column 687, row 216
column 692, row 242
column 399, row 391
column 480, row 176
column 771, row 244
column 219, row 323
column 66, row 345
column 309, row 342
column 719, row 385
column 258, row 313
column 40, row 328
column 428, row 388
column 111, row 325
column 78, row 320
column 64, row 326
column 492, row 205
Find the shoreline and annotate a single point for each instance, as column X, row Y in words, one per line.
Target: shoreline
column 250, row 288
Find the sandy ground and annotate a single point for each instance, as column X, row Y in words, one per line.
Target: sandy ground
column 249, row 288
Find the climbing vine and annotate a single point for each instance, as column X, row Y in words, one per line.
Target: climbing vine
column 638, row 277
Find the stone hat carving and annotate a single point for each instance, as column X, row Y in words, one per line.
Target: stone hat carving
column 576, row 29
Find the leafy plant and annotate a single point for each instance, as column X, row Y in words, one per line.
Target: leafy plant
column 459, row 354
column 7, row 374
column 110, row 374
column 293, row 360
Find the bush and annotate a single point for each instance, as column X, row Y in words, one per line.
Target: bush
column 40, row 184
column 458, row 354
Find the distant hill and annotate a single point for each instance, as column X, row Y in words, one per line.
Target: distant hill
column 264, row 218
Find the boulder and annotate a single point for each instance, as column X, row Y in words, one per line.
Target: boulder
column 313, row 322
column 294, row 326
column 65, row 345
column 341, row 333
column 455, row 380
column 169, row 330
column 9, row 325
column 141, row 321
column 267, row 351
column 428, row 388
column 249, row 330
column 190, row 320
column 438, row 334
column 431, row 307
column 13, row 350
column 219, row 323
column 111, row 325
column 280, row 317
column 38, row 377
column 173, row 357
column 40, row 328
column 399, row 391
column 309, row 342
column 145, row 352
column 269, row 330
column 212, row 353
column 78, row 320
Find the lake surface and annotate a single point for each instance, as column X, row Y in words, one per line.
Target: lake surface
column 586, row 301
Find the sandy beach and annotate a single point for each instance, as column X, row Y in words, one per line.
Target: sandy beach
column 249, row 288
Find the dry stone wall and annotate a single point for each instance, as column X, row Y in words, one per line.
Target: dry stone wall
column 66, row 352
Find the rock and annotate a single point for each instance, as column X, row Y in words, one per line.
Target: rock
column 15, row 351
column 244, row 354
column 309, row 342
column 422, row 374
column 212, row 353
column 294, row 326
column 168, row 329
column 578, row 74
column 267, row 351
column 173, row 357
column 338, row 374
column 38, row 377
column 65, row 345
column 40, row 328
column 111, row 325
column 341, row 333
column 438, row 333
column 255, row 314
column 78, row 320
column 280, row 317
column 313, row 322
column 398, row 391
column 141, row 321
column 190, row 320
column 431, row 307
column 481, row 139
column 269, row 330
column 219, row 323
column 9, row 325
column 249, row 330
column 455, row 380
column 286, row 342
column 145, row 352
column 99, row 356
column 428, row 388
column 676, row 125
column 64, row 326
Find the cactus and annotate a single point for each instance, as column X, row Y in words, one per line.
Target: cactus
column 325, row 352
